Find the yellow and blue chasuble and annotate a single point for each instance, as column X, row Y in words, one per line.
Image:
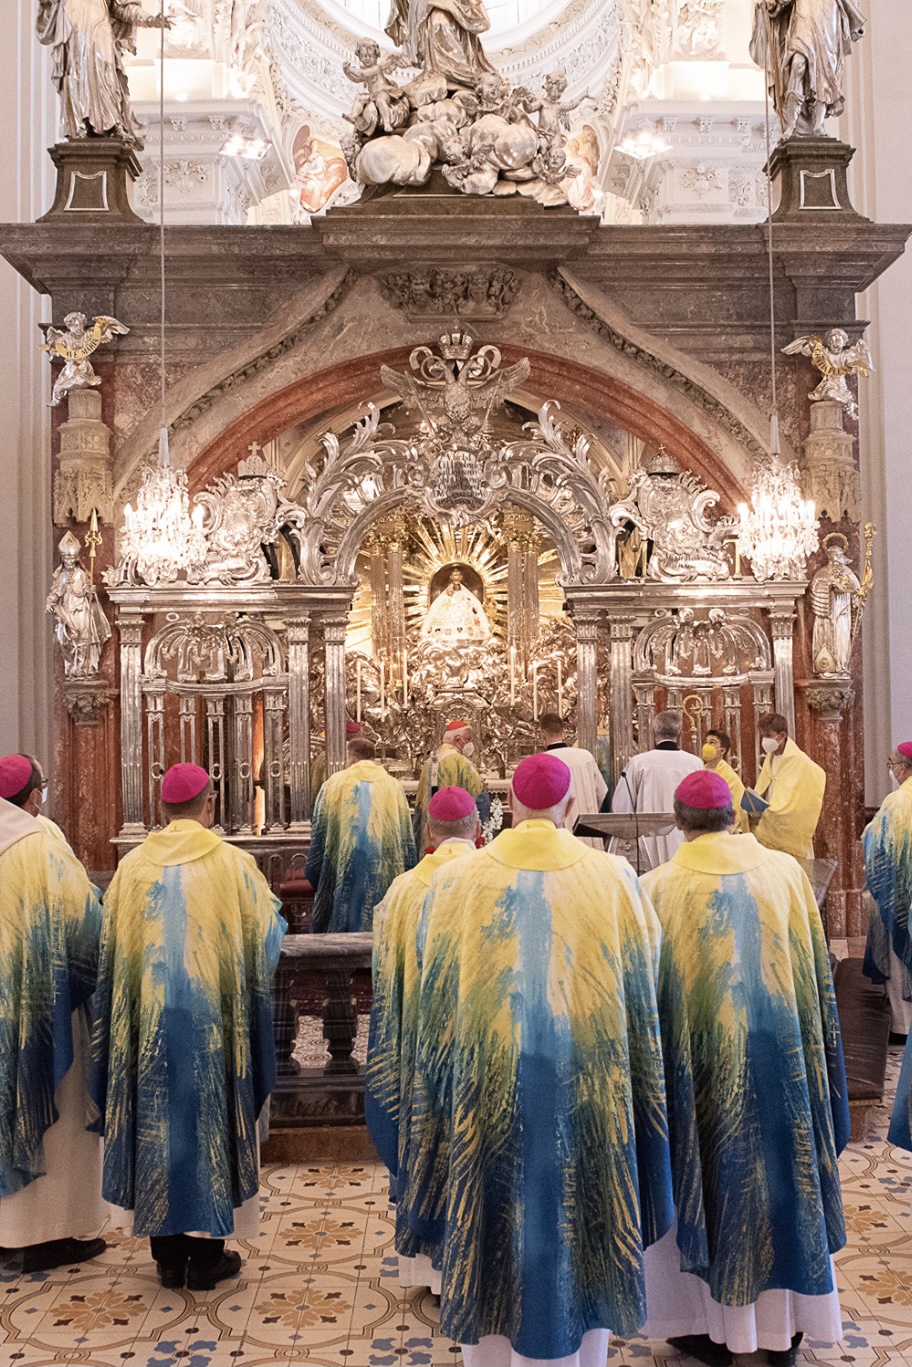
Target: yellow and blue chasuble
column 50, row 927
column 449, row 768
column 757, row 1100
column 394, row 1004
column 796, row 787
column 361, row 839
column 538, row 1162
column 183, row 1055
column 888, row 876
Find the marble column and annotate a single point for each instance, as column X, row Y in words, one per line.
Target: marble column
column 298, row 775
column 835, row 839
column 334, row 629
column 586, row 624
column 621, row 670
column 130, row 628
column 782, row 625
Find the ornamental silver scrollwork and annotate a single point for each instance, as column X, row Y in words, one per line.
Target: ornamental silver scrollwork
column 210, row 650
column 669, row 509
column 456, row 469
column 681, row 646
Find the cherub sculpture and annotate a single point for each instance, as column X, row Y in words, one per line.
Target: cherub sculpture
column 553, row 122
column 835, row 359
column 382, row 103
column 75, row 343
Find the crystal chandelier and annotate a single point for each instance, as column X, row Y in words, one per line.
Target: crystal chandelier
column 779, row 529
column 160, row 537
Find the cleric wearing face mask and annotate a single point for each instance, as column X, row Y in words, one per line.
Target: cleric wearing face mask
column 450, row 767
column 793, row 785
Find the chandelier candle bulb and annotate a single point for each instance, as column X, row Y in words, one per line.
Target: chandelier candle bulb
column 560, row 688
column 358, row 691
column 535, row 692
column 405, row 692
column 512, row 676
column 382, row 691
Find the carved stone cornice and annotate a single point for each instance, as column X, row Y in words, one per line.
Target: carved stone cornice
column 486, row 292
column 694, row 285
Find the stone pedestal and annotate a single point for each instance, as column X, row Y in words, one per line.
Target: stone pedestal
column 832, row 479
column 86, row 700
column 829, row 698
column 94, row 181
column 811, row 177
column 84, row 479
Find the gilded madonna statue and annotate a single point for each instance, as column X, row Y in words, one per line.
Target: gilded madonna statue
column 456, row 615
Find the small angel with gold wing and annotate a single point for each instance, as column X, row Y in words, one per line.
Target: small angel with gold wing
column 835, row 359
column 75, row 343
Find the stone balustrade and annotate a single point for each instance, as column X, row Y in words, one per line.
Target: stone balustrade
column 324, row 976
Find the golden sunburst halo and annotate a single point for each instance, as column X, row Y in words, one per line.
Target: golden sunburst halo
column 434, row 546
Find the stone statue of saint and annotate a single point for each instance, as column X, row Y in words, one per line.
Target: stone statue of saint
column 456, row 615
column 87, row 39
column 836, row 599
column 442, row 37
column 81, row 627
column 803, row 45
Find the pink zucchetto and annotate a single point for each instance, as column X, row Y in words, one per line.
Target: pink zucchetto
column 704, row 789
column 456, row 726
column 352, row 728
column 451, row 804
column 905, row 749
column 183, row 782
column 15, row 772
column 541, row 781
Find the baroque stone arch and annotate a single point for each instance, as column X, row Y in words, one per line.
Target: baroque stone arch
column 551, row 376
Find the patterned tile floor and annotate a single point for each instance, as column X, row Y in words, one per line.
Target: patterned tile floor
column 319, row 1286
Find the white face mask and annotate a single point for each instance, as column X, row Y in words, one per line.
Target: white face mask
column 468, row 749
column 769, row 744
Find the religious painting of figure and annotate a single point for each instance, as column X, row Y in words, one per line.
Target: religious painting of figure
column 455, row 612
column 319, row 169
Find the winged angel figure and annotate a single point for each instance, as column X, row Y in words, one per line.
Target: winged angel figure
column 456, row 393
column 835, row 359
column 75, row 343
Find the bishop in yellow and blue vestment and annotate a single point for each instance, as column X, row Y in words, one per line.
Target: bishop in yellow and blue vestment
column 183, row 1048
column 361, row 839
column 538, row 1161
column 757, row 1103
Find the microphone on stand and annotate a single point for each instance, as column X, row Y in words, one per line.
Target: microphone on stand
column 636, row 818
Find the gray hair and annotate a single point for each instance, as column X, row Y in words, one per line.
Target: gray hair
column 667, row 725
column 463, row 829
column 704, row 819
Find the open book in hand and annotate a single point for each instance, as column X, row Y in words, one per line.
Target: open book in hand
column 753, row 803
